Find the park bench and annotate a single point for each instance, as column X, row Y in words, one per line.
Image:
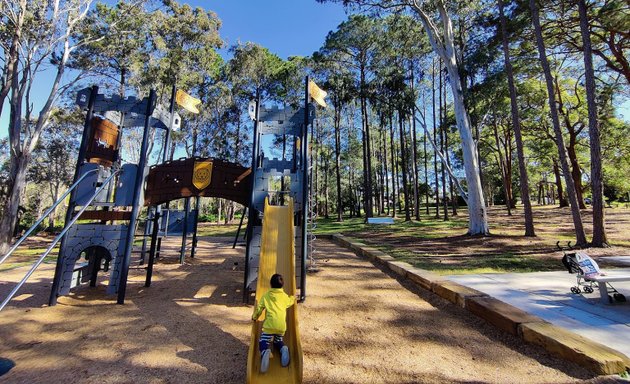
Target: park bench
column 603, row 281
column 588, row 272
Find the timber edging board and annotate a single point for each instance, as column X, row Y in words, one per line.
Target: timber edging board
column 558, row 341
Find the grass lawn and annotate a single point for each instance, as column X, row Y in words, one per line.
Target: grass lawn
column 443, row 246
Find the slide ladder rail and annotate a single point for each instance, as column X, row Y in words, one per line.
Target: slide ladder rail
column 44, row 216
column 57, row 239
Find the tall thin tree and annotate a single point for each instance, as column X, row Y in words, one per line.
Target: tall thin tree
column 562, row 152
column 599, row 221
column 516, row 124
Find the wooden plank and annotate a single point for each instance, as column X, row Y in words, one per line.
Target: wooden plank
column 106, row 215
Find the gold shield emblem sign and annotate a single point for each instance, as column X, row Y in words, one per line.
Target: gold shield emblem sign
column 202, row 174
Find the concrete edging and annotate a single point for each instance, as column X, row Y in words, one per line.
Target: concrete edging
column 558, row 341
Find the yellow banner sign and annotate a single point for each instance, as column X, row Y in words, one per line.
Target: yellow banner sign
column 317, row 93
column 187, row 102
column 202, row 174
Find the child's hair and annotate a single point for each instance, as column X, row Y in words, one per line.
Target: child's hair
column 277, row 281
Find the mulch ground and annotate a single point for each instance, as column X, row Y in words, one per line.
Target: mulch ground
column 358, row 325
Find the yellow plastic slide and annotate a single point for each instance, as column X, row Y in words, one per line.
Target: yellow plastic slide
column 277, row 255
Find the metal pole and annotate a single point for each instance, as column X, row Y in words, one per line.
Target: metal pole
column 238, row 231
column 87, row 130
column 252, row 212
column 194, row 239
column 154, row 235
column 304, row 192
column 182, row 251
column 124, row 271
column 167, row 138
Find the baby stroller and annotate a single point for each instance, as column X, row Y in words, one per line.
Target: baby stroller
column 586, row 269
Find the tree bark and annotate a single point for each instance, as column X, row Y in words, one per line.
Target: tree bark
column 597, row 184
column 516, row 125
column 562, row 200
column 15, row 189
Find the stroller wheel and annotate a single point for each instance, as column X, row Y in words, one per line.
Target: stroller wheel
column 575, row 290
column 588, row 289
column 619, row 297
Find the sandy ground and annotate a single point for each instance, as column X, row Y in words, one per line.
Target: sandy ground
column 358, row 325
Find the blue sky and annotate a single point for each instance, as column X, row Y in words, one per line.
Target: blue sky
column 285, row 27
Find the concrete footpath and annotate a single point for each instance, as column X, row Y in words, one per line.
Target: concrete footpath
column 538, row 307
column 548, row 296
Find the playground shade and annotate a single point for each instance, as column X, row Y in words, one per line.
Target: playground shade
column 277, row 255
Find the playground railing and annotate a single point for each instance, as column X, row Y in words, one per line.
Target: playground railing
column 45, row 215
column 57, row 239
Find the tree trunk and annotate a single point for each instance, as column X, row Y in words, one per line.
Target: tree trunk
column 326, row 170
column 403, row 165
column 337, row 123
column 384, row 140
column 11, row 66
column 599, row 220
column 576, row 172
column 442, row 100
column 435, row 156
column 382, row 167
column 426, row 172
column 367, row 172
column 562, row 200
column 575, row 209
column 502, row 166
column 516, row 125
column 15, row 188
column 414, row 143
column 394, row 171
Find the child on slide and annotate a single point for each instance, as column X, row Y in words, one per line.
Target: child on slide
column 275, row 302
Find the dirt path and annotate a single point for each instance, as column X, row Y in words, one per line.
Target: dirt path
column 358, row 325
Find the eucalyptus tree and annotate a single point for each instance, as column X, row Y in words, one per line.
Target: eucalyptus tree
column 438, row 25
column 354, row 43
column 562, row 153
column 41, row 37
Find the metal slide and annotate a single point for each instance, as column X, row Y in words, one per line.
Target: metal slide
column 277, row 255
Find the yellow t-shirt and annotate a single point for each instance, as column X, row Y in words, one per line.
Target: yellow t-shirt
column 275, row 302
